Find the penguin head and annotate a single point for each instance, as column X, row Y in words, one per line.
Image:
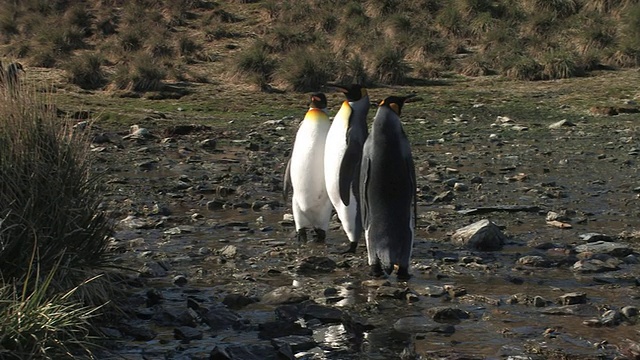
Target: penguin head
column 318, row 101
column 395, row 102
column 352, row 92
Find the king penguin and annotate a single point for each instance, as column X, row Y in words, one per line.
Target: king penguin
column 305, row 172
column 343, row 153
column 388, row 192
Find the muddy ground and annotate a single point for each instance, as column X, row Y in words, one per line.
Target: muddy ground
column 198, row 201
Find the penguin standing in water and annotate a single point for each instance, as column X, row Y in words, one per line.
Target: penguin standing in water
column 343, row 153
column 388, row 192
column 305, row 172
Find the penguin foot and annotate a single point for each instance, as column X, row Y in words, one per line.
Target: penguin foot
column 320, row 235
column 352, row 248
column 403, row 274
column 301, row 235
column 376, row 270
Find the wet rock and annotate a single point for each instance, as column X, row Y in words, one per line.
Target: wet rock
column 297, row 343
column 180, row 280
column 431, row 290
column 534, row 260
column 315, row 264
column 375, row 283
column 153, row 297
column 605, row 247
column 284, row 295
column 215, row 204
column 520, row 298
column 229, row 251
column 577, row 310
column 172, row 315
column 539, row 301
column 218, row 317
column 629, row 311
column 326, row 314
column 243, row 352
column 209, row 144
column 279, row 329
column 186, row 334
column 138, row 333
column 593, row 237
column 594, row 266
column 460, row 187
column 455, row 291
column 445, row 314
column 421, row 324
column 133, row 222
column 153, row 270
column 561, row 124
column 483, row 235
column 237, row 301
column 391, row 292
column 572, row 298
column 446, row 196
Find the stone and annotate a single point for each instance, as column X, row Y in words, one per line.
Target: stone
column 593, row 237
column 482, row 235
column 218, row 317
column 180, row 280
column 237, row 301
column 605, row 247
column 534, row 260
column 284, row 295
column 244, row 352
column 445, row 314
column 297, row 343
column 593, row 266
column 561, row 123
column 326, row 314
column 279, row 329
column 315, row 264
column 432, row 290
column 572, row 298
column 186, row 333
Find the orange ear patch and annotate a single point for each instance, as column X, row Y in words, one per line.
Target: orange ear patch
column 395, row 108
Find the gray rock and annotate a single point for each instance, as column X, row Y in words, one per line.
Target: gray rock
column 482, row 235
column 534, row 260
column 376, row 283
column 237, row 301
column 445, row 314
column 218, row 317
column 593, row 237
column 539, row 301
column 279, row 329
column 186, row 333
column 432, row 290
column 284, row 295
column 315, row 264
column 629, row 311
column 576, row 310
column 176, row 316
column 326, row 314
column 593, row 266
column 243, row 352
column 391, row 292
column 180, row 280
column 605, row 247
column 414, row 324
column 446, row 196
column 572, row 298
column 229, row 251
column 297, row 343
column 561, row 123
column 138, row 333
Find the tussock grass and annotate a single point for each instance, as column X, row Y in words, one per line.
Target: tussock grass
column 255, row 62
column 53, row 236
column 389, row 66
column 86, row 71
column 307, row 69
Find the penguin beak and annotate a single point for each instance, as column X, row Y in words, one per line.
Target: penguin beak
column 341, row 88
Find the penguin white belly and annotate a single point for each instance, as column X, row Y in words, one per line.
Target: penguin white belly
column 334, row 152
column 311, row 204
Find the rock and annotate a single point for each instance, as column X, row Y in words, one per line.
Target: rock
column 208, row 144
column 421, row 324
column 186, row 334
column 376, row 283
column 215, row 204
column 572, row 298
column 138, row 333
column 534, row 260
column 539, row 301
column 445, row 314
column 446, row 196
column 432, row 290
column 605, row 247
column 237, row 301
column 460, row 187
column 593, row 237
column 391, row 292
column 172, row 316
column 229, row 251
column 577, row 310
column 218, row 317
column 326, row 314
column 243, row 352
column 593, row 266
column 297, row 343
column 561, row 123
column 482, row 235
column 152, row 270
column 284, row 295
column 180, row 280
column 315, row 264
column 279, row 329
column 629, row 311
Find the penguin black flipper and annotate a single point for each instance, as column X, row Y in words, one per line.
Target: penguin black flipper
column 364, row 201
column 287, row 181
column 349, row 170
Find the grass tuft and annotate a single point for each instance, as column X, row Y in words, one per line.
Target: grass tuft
column 86, row 71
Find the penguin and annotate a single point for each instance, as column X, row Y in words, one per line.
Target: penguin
column 388, row 192
column 305, row 172
column 343, row 153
